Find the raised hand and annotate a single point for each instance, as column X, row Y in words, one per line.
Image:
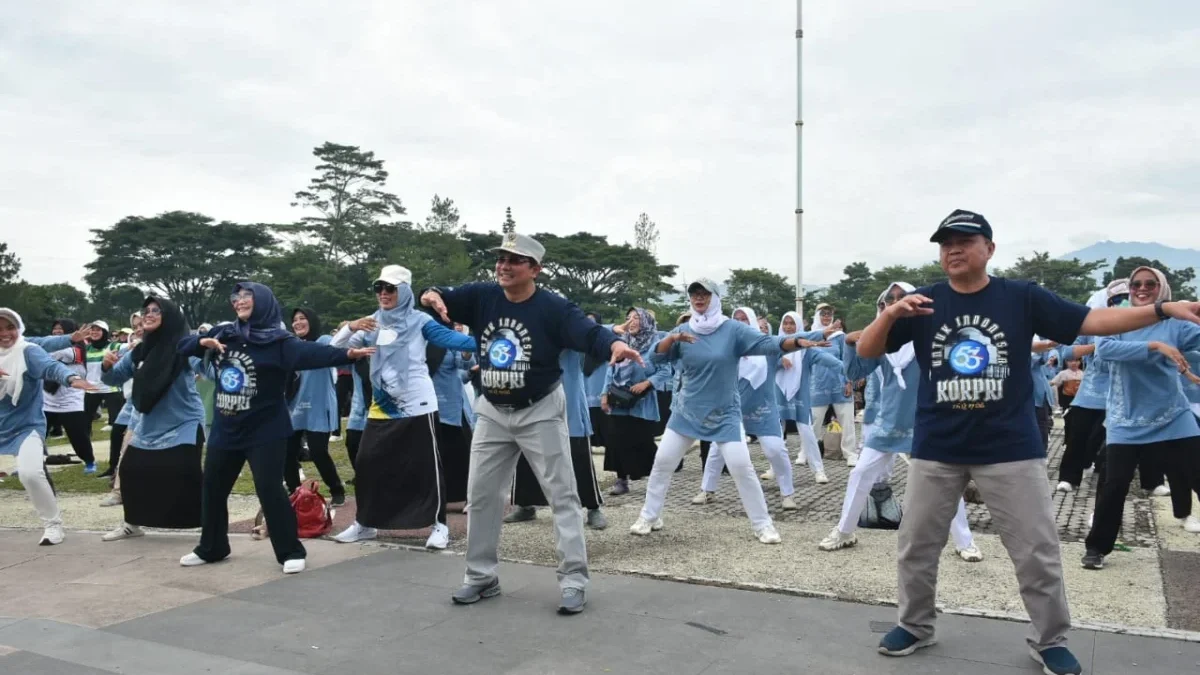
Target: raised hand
column 808, row 344
column 1173, row 354
column 82, row 333
column 687, row 338
column 212, row 343
column 1184, row 311
column 910, row 305
column 622, row 352
column 433, row 299
column 110, row 360
column 367, row 324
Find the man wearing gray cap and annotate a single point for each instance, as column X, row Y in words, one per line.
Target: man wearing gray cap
column 521, row 330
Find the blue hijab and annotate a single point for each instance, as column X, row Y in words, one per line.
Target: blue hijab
column 390, row 364
column 266, row 321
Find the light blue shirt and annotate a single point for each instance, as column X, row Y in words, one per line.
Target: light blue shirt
column 829, row 383
column 707, row 405
column 177, row 417
column 1093, row 388
column 51, row 343
column 892, row 430
column 1041, row 386
column 25, row 416
column 314, row 407
column 1146, row 403
column 663, row 378
column 630, row 374
column 579, row 421
column 870, row 394
column 760, row 407
column 596, row 383
column 1191, row 391
column 448, row 383
column 358, row 405
column 799, row 408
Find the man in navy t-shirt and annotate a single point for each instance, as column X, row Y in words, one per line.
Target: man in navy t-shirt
column 975, row 420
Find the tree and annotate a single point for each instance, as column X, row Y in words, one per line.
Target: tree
column 182, row 255
column 443, row 217
column 767, row 293
column 348, row 198
column 1070, row 279
column 114, row 303
column 1180, row 280
column 479, row 247
column 10, row 265
column 600, row 276
column 509, row 224
column 645, row 234
column 40, row 305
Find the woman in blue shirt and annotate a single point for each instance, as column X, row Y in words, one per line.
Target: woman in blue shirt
column 159, row 470
column 1149, row 417
column 23, row 365
column 449, row 370
column 595, row 372
column 794, row 384
column 312, row 401
column 630, row 402
column 830, row 388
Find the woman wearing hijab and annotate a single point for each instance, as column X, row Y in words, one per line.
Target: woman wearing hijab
column 1149, row 417
column 252, row 360
column 64, row 406
column 760, row 418
column 706, row 352
column 54, row 427
column 631, row 405
column 312, row 401
column 450, row 370
column 595, row 373
column 22, row 420
column 159, row 471
column 830, row 388
column 398, row 472
column 898, row 375
column 99, row 343
column 793, row 381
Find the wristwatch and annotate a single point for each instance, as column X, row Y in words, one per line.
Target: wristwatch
column 1158, row 309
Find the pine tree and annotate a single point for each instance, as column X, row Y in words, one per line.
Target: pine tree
column 645, row 233
column 509, row 225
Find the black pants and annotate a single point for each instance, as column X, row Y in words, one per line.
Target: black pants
column 318, row 450
column 353, row 438
column 116, row 439
column 78, row 426
column 345, row 393
column 1045, row 423
column 1179, row 458
column 1085, row 438
column 113, row 402
column 221, row 469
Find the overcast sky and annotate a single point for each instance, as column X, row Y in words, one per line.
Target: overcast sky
column 1063, row 122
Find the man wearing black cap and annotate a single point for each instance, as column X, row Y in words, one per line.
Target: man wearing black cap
column 521, row 330
column 975, row 420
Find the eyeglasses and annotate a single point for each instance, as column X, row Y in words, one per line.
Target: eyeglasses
column 152, row 311
column 1148, row 284
column 240, row 295
column 893, row 299
column 384, row 287
column 513, row 260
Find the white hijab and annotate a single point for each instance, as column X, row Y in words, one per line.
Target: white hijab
column 900, row 359
column 753, row 369
column 12, row 360
column 712, row 318
column 817, row 324
column 789, row 379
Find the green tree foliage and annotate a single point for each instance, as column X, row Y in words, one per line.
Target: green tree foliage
column 10, row 265
column 1071, row 279
column 767, row 293
column 113, row 304
column 40, row 305
column 599, row 276
column 443, row 218
column 645, row 234
column 182, row 255
column 854, row 296
column 1181, row 280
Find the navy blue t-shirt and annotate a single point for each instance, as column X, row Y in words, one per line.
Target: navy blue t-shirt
column 975, row 401
column 519, row 342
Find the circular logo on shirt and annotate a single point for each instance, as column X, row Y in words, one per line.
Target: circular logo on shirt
column 969, row 357
column 502, row 352
column 232, row 380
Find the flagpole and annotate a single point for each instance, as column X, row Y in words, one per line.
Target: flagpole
column 799, row 160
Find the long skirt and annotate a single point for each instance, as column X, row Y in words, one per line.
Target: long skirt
column 527, row 491
column 599, row 421
column 631, row 446
column 454, row 443
column 664, row 412
column 398, row 478
column 162, row 488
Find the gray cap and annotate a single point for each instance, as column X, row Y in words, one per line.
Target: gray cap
column 521, row 244
column 705, row 283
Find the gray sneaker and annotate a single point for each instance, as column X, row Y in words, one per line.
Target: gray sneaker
column 573, row 600
column 521, row 514
column 469, row 595
column 596, row 519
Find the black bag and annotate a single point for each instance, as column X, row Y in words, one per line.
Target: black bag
column 620, row 396
column 883, row 510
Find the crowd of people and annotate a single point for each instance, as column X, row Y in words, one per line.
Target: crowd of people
column 493, row 394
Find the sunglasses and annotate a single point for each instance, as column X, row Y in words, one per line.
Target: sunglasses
column 243, row 295
column 152, row 311
column 513, row 260
column 384, row 287
column 1148, row 284
column 1121, row 300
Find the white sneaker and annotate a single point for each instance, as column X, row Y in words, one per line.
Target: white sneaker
column 852, row 461
column 704, row 498
column 789, row 504
column 113, row 499
column 769, row 474
column 1191, row 524
column 768, row 535
column 820, row 477
column 836, row 540
column 192, row 560
column 125, row 531
column 1064, row 486
column 106, row 427
column 355, row 533
column 800, row 461
column 1163, row 490
column 294, row 566
column 53, row 535
column 642, row 527
column 971, row 554
column 439, row 538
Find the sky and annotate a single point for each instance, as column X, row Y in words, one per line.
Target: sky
column 1063, row 122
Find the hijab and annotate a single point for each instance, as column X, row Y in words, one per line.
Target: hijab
column 790, row 379
column 900, row 359
column 105, row 336
column 398, row 326
column 591, row 363
column 712, row 318
column 641, row 341
column 314, row 332
column 68, row 327
column 753, row 369
column 1164, row 288
column 12, row 360
column 265, row 325
column 156, row 363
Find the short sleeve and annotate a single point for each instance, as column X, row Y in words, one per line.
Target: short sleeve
column 1055, row 318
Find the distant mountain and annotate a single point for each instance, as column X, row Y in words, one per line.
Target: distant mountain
column 1174, row 258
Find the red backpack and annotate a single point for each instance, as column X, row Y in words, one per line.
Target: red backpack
column 313, row 518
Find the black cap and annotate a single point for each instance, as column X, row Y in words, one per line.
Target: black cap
column 965, row 222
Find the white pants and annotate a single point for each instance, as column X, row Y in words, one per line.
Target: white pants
column 844, row 412
column 31, row 470
column 672, row 448
column 872, row 466
column 776, row 453
column 809, row 448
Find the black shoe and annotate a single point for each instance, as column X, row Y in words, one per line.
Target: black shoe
column 1093, row 560
column 108, row 473
column 680, row 467
column 350, row 482
column 337, row 499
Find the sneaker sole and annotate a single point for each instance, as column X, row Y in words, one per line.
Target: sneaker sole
column 919, row 644
column 831, row 549
column 489, row 592
column 1093, row 566
column 568, row 611
column 1033, row 654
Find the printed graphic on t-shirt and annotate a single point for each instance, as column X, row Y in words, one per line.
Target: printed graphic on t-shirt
column 970, row 362
column 237, row 383
column 506, row 347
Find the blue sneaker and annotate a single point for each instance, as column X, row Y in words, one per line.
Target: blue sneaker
column 899, row 642
column 1057, row 661
column 89, row 469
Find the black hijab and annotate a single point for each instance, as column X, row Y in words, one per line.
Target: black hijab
column 68, row 327
column 266, row 320
column 314, row 332
column 102, row 343
column 156, row 363
column 591, row 363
